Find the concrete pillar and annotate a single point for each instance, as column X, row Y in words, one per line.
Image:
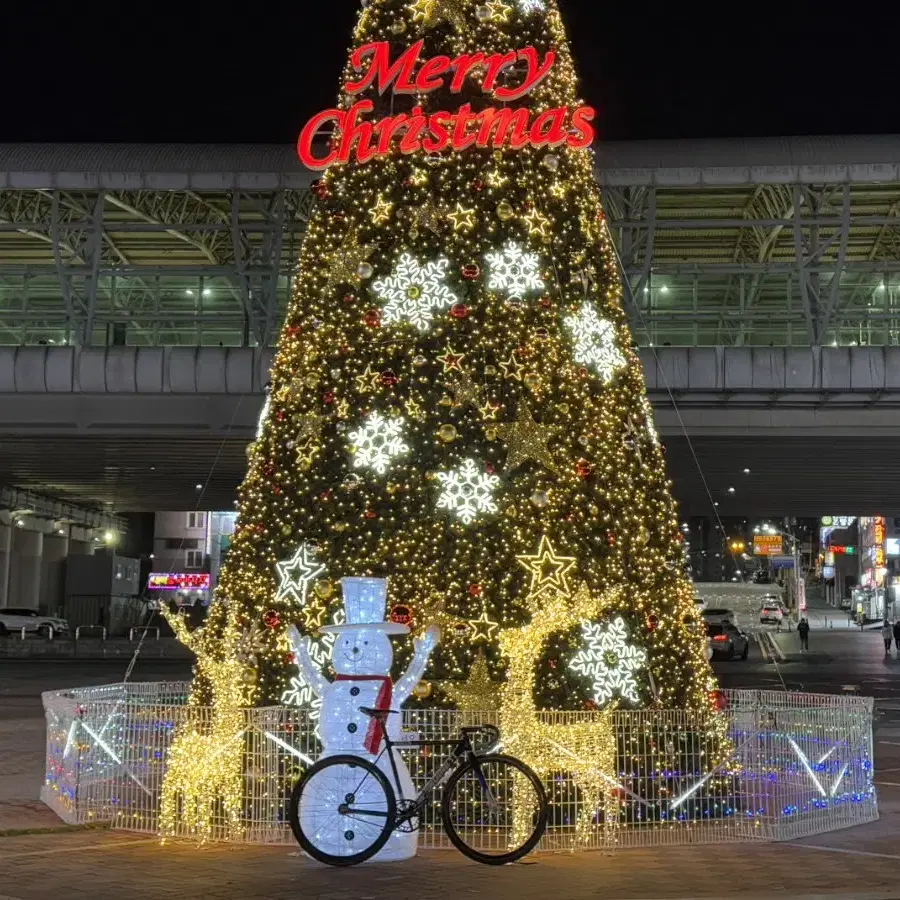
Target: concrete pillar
column 80, row 548
column 5, row 543
column 56, row 547
column 25, row 569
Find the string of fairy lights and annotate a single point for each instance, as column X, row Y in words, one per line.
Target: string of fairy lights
column 456, row 391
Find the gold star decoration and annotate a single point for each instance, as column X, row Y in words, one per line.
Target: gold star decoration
column 433, row 12
column 381, row 211
column 512, row 368
column 429, row 216
column 414, row 408
column 305, row 455
column 489, row 410
column 478, row 692
column 483, row 628
column 464, row 390
column 538, row 224
column 495, row 178
column 451, row 359
column 346, row 260
column 463, row 218
column 548, row 571
column 342, row 410
column 633, row 434
column 500, row 12
column 313, row 617
column 587, row 227
column 418, row 177
column 526, row 439
column 367, row 381
column 559, row 189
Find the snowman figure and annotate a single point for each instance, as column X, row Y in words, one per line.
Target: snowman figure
column 362, row 656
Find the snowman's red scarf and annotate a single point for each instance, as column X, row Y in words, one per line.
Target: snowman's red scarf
column 382, row 701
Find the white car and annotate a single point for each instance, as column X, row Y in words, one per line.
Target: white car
column 14, row 619
column 772, row 613
column 719, row 616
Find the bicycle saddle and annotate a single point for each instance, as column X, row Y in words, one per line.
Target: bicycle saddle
column 379, row 713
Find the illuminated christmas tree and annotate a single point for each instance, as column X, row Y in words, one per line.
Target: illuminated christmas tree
column 456, row 403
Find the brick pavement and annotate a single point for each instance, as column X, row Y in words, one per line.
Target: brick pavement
column 111, row 865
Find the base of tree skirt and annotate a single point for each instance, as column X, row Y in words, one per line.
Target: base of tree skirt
column 801, row 764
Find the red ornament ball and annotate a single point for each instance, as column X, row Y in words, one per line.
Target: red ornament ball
column 489, row 468
column 546, row 302
column 328, row 397
column 401, row 614
column 321, row 189
column 349, row 298
column 471, row 271
column 271, row 618
column 475, row 590
column 372, row 318
column 370, row 514
column 478, row 185
column 389, row 378
column 611, row 538
column 339, row 215
column 280, row 415
column 584, row 468
column 718, row 700
column 459, row 311
column 652, row 622
column 293, row 330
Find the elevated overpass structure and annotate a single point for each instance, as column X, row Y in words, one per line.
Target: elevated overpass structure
column 142, row 289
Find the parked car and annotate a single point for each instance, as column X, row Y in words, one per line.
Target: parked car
column 728, row 641
column 846, row 603
column 719, row 616
column 13, row 620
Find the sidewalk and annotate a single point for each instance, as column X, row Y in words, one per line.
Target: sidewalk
column 110, row 865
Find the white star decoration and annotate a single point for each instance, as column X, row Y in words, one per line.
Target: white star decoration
column 514, row 271
column 377, row 442
column 413, row 291
column 467, row 491
column 530, row 6
column 610, row 661
column 595, row 342
column 296, row 574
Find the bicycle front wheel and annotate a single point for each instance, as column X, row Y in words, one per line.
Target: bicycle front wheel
column 494, row 809
column 342, row 811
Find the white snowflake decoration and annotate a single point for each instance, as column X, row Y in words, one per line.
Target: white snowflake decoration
column 468, row 491
column 595, row 342
column 413, row 291
column 296, row 574
column 530, row 6
column 514, row 271
column 298, row 693
column 610, row 661
column 377, row 442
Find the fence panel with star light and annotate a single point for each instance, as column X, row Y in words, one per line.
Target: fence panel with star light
column 800, row 764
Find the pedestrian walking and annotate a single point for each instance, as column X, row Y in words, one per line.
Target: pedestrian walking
column 803, row 631
column 897, row 636
column 887, row 633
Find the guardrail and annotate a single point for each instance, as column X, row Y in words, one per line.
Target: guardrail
column 81, row 628
column 143, row 629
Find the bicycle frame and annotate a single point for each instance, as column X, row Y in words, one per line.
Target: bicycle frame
column 463, row 752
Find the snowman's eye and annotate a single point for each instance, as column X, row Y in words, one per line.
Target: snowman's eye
column 366, row 643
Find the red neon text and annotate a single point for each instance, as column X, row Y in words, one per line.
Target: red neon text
column 494, row 128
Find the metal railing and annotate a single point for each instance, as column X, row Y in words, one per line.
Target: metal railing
column 81, row 628
column 800, row 764
column 143, row 630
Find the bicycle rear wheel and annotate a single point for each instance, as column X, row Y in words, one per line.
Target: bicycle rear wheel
column 342, row 810
column 494, row 809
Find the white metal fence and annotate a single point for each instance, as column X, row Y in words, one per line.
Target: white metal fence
column 801, row 764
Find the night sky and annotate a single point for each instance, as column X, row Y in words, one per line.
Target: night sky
column 252, row 73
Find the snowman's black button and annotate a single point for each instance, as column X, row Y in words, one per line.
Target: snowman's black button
column 352, row 728
column 354, row 691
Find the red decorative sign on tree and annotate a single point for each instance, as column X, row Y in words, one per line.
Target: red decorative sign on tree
column 495, row 127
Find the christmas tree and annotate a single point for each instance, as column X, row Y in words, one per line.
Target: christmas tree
column 456, row 402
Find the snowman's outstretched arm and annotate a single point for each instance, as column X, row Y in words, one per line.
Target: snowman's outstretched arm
column 311, row 675
column 404, row 686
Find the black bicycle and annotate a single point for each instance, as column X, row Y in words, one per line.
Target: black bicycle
column 493, row 807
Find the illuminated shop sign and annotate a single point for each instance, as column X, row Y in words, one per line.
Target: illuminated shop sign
column 768, row 545
column 179, row 581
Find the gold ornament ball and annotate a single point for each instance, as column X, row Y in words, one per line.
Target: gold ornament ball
column 643, row 535
column 340, row 527
column 490, row 370
column 505, row 211
column 422, row 690
column 491, row 434
column 483, row 13
column 540, row 499
column 532, row 381
column 445, row 401
column 511, row 512
column 324, row 589
column 447, row 433
column 563, row 408
column 311, row 381
column 286, row 530
column 365, row 270
column 398, row 26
